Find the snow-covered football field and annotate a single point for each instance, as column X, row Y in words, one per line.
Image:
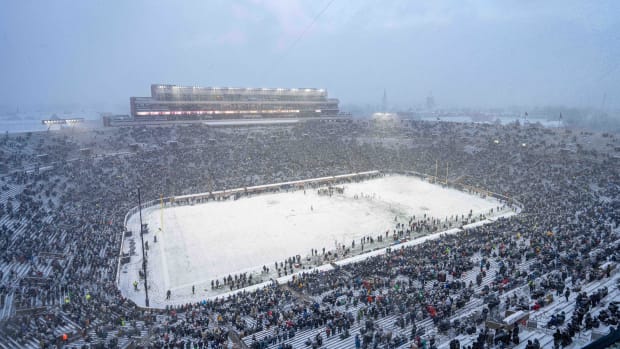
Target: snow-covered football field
column 202, row 242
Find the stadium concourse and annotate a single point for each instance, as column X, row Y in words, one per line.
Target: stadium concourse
column 543, row 278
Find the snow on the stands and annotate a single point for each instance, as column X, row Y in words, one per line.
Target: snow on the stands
column 208, row 241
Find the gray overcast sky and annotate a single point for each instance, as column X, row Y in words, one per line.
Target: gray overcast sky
column 468, row 53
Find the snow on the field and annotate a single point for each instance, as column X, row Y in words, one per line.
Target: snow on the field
column 207, row 241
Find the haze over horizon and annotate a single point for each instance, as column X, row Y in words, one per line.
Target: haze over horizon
column 466, row 53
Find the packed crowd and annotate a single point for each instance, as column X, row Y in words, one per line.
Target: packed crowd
column 61, row 222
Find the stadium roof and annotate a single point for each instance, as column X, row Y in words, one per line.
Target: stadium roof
column 252, row 89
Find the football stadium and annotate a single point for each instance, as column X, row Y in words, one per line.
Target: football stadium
column 309, row 234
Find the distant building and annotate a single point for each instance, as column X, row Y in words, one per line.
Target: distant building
column 171, row 102
column 430, row 102
column 109, row 119
column 384, row 102
column 379, row 116
column 408, row 114
column 55, row 120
